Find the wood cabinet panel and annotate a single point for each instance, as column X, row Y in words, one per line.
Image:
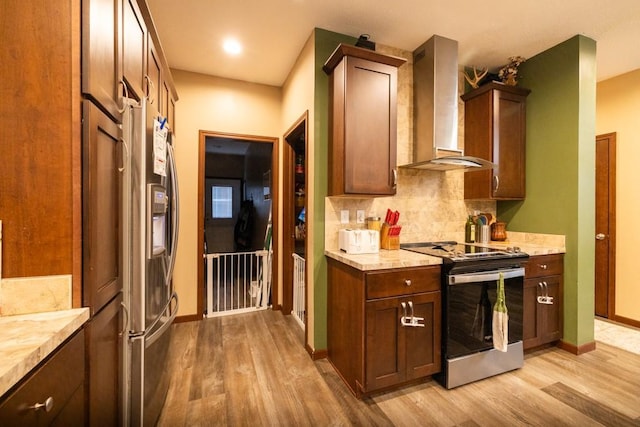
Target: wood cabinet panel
column 171, row 113
column 100, row 65
column 39, row 138
column 495, row 125
column 153, row 78
column 384, row 347
column 103, row 348
column 134, row 49
column 102, row 278
column 396, row 353
column 387, row 283
column 547, row 265
column 542, row 322
column 59, row 378
column 423, row 356
column 363, row 122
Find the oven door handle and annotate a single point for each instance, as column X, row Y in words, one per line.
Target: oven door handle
column 490, row 276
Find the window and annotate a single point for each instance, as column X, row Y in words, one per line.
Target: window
column 221, row 201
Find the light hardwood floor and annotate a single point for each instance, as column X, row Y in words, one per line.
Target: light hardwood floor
column 251, row 369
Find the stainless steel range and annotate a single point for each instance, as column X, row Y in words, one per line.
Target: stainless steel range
column 469, row 290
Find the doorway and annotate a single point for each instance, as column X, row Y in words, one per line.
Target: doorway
column 237, row 197
column 605, row 250
column 294, row 221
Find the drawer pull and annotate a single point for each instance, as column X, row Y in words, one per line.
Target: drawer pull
column 47, row 405
column 542, row 266
column 407, row 282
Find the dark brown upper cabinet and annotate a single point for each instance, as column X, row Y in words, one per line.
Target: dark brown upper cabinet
column 363, row 87
column 100, row 51
column 494, row 130
column 134, row 49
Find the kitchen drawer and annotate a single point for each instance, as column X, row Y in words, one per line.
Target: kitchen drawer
column 407, row 281
column 544, row 265
column 59, row 378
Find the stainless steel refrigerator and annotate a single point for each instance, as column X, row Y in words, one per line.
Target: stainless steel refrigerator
column 150, row 235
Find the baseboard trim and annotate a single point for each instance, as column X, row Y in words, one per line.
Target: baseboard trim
column 624, row 320
column 316, row 354
column 575, row 349
column 187, row 318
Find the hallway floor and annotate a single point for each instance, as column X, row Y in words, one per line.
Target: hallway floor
column 252, row 369
column 625, row 337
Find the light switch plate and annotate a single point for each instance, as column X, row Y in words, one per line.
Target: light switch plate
column 344, row 217
column 360, row 216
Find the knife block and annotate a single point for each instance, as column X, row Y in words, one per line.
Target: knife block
column 387, row 241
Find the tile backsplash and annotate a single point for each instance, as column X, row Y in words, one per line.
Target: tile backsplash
column 431, row 203
column 431, row 206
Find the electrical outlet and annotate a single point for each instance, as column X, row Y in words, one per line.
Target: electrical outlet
column 344, row 217
column 360, row 216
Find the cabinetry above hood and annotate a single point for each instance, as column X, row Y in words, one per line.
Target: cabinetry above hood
column 435, row 109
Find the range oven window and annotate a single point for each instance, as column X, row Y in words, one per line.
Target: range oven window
column 469, row 310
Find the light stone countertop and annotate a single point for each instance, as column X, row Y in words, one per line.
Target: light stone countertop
column 27, row 339
column 385, row 259
column 531, row 244
column 528, row 248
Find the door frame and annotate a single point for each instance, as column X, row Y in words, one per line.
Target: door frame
column 275, row 236
column 611, row 255
column 288, row 244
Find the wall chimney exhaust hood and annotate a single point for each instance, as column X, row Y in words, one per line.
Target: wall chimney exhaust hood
column 435, row 109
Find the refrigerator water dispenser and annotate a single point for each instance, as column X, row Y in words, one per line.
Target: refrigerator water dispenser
column 157, row 218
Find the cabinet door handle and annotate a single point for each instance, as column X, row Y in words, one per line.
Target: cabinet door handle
column 47, row 405
column 150, row 87
column 126, row 95
column 410, row 320
column 395, row 178
column 546, row 294
column 496, row 181
column 125, row 324
column 600, row 236
column 125, row 155
column 544, row 297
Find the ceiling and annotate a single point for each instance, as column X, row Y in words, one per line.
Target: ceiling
column 274, row 31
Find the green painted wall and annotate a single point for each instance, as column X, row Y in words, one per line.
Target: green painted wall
column 325, row 44
column 560, row 170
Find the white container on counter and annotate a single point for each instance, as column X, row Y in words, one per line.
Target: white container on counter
column 359, row 241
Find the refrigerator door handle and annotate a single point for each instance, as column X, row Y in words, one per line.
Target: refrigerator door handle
column 157, row 334
column 175, row 214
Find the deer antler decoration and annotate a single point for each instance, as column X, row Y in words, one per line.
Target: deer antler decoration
column 476, row 78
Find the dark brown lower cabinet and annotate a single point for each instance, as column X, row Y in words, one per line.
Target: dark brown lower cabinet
column 395, row 353
column 367, row 342
column 57, row 383
column 542, row 312
column 103, row 355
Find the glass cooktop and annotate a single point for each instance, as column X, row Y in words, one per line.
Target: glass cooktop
column 455, row 251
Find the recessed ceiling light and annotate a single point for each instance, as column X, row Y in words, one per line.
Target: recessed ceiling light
column 232, row 46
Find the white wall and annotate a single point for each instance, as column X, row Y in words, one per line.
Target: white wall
column 220, row 105
column 617, row 110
